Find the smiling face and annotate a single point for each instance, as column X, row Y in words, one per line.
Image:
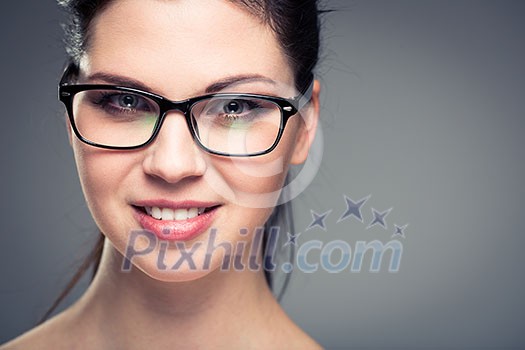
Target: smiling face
column 173, row 188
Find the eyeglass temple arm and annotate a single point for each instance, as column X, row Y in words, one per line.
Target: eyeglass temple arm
column 305, row 96
column 70, row 70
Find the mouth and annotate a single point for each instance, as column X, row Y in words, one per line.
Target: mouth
column 172, row 214
column 176, row 221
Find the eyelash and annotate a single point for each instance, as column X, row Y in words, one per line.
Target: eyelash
column 104, row 101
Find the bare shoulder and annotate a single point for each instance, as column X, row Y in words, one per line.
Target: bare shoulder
column 303, row 342
column 288, row 335
column 297, row 341
column 53, row 334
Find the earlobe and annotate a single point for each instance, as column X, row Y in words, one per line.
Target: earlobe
column 306, row 133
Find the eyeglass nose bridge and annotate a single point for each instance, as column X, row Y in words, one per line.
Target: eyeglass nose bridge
column 167, row 106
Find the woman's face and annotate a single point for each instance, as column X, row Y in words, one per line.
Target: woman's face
column 181, row 49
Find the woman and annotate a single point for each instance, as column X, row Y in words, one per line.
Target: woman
column 184, row 117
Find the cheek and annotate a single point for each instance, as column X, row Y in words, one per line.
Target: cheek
column 255, row 182
column 102, row 174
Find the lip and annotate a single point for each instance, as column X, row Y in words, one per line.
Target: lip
column 176, row 230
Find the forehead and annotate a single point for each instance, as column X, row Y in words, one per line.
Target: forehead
column 181, row 45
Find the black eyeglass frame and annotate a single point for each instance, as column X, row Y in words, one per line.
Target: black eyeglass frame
column 288, row 107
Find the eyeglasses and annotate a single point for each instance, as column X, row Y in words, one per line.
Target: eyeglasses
column 226, row 124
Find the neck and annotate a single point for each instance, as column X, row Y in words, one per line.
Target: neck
column 216, row 307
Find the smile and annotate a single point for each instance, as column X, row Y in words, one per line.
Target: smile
column 176, row 221
column 174, row 214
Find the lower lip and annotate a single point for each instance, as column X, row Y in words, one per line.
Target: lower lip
column 176, row 230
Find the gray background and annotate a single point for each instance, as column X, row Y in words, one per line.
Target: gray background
column 423, row 108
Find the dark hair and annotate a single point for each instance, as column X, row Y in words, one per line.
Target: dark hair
column 296, row 25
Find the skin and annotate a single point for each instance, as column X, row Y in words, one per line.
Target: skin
column 178, row 49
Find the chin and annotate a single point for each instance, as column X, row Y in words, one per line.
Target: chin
column 172, row 265
column 185, row 275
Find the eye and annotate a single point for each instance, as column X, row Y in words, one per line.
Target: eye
column 128, row 101
column 116, row 101
column 121, row 104
column 237, row 111
column 220, row 107
column 233, row 107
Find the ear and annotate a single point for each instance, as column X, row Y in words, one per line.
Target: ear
column 307, row 128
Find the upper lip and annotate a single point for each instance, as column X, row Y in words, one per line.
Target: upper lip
column 165, row 203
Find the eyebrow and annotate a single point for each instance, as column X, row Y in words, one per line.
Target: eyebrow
column 212, row 88
column 118, row 80
column 237, row 79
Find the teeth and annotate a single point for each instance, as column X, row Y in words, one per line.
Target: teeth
column 193, row 212
column 173, row 214
column 180, row 214
column 156, row 213
column 167, row 214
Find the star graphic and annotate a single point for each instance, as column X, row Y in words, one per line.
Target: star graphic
column 399, row 230
column 318, row 220
column 353, row 208
column 292, row 239
column 379, row 218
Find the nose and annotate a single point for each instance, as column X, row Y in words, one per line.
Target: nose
column 174, row 155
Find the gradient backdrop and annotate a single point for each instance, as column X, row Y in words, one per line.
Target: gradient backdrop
column 423, row 109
